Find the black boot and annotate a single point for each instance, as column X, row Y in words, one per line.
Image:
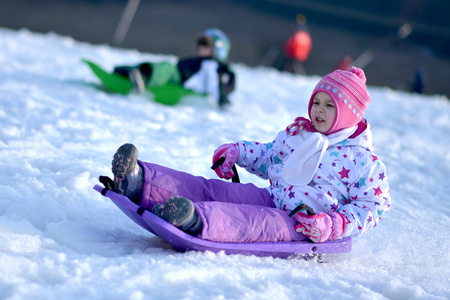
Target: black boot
column 180, row 212
column 128, row 175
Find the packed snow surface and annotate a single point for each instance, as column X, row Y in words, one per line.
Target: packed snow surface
column 60, row 239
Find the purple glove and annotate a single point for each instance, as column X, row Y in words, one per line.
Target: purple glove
column 321, row 226
column 231, row 154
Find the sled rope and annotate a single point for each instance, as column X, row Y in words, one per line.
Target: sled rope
column 107, row 182
column 301, row 207
column 219, row 162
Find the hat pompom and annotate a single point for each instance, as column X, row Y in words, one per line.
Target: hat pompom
column 358, row 72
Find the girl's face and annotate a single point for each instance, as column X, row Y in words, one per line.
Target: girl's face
column 323, row 112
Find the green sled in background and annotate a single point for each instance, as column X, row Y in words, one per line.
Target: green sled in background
column 169, row 94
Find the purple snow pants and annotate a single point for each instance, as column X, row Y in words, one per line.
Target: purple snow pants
column 230, row 212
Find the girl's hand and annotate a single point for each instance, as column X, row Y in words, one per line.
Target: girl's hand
column 231, row 154
column 321, row 226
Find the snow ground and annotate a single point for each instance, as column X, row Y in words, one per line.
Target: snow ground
column 59, row 239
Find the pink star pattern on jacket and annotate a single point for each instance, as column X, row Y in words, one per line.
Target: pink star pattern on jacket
column 378, row 191
column 344, row 173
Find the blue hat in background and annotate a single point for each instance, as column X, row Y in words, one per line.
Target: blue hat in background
column 221, row 43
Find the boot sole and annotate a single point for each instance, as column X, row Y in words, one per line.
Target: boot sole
column 178, row 211
column 123, row 163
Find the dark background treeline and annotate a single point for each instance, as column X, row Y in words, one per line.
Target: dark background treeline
column 338, row 28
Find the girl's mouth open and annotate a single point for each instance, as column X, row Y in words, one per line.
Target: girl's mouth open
column 320, row 120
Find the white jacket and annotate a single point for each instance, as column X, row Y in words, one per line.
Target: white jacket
column 350, row 179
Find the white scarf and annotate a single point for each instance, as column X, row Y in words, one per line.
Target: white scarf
column 300, row 167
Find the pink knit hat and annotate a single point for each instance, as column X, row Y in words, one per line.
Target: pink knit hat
column 349, row 93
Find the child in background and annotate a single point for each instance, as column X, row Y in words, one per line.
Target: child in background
column 207, row 72
column 326, row 162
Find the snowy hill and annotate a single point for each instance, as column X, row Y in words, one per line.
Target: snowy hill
column 59, row 239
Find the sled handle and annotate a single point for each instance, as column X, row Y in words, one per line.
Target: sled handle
column 219, row 162
column 301, row 207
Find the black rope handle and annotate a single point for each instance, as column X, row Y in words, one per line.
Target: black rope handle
column 219, row 162
column 108, row 183
column 301, row 207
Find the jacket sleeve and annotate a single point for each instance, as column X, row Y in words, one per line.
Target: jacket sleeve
column 369, row 198
column 227, row 84
column 227, row 79
column 257, row 157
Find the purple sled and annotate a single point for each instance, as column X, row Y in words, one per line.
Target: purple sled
column 185, row 242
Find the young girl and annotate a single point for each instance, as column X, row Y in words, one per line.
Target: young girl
column 326, row 162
